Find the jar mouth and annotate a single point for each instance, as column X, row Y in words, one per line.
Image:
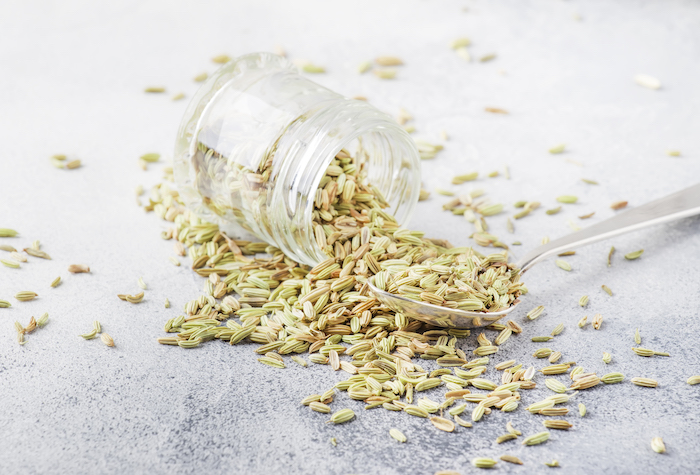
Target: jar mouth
column 391, row 163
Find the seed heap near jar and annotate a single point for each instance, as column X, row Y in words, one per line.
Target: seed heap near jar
column 360, row 239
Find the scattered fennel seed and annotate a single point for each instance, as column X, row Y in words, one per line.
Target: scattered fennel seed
column 26, row 296
column 221, row 59
column 553, row 463
column 299, row 360
column 7, row 247
column 167, row 303
column 78, row 268
column 422, row 196
column 334, row 441
column 460, row 42
column 597, row 321
column 558, row 329
column 488, row 57
column 10, row 263
column 495, row 110
column 398, row 435
column 563, row 264
column 73, row 164
column 150, row 157
column 586, row 216
column 693, row 380
column 154, row 89
column 583, row 301
column 141, row 283
column 341, row 416
column 618, row 205
column 388, row 61
column 647, row 81
column 645, row 382
column 613, row 378
column 634, row 255
column 607, row 358
column 590, row 182
column 459, row 179
column 43, row 320
column 313, row 69
column 178, row 96
column 511, row 459
column 535, row 312
column 443, row 424
column 606, row 289
column 57, row 163
column 388, row 73
column 637, row 337
column 673, row 153
column 553, row 210
column 5, row 304
column 106, row 339
column 6, row 232
column 536, row 439
column 567, row 199
column 657, row 445
column 557, row 149
column 201, row 77
column 483, row 462
column 506, row 438
column 364, row 67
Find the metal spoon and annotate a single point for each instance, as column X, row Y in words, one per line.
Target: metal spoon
column 676, row 206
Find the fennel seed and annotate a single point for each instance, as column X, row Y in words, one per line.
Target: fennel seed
column 106, row 339
column 511, row 459
column 536, row 439
column 398, row 435
column 483, row 462
column 618, row 205
column 78, row 268
column 341, row 416
column 646, row 382
column 443, row 424
column 647, row 81
column 657, row 445
column 557, row 149
column 567, row 199
column 634, row 255
column 26, row 296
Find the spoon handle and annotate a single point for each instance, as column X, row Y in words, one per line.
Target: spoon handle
column 676, row 206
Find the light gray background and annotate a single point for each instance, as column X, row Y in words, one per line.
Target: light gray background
column 72, row 80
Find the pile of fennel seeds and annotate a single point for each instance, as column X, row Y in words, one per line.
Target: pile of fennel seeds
column 329, row 313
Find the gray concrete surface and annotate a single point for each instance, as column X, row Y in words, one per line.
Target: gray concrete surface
column 72, row 76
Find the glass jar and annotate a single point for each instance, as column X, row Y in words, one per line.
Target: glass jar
column 256, row 141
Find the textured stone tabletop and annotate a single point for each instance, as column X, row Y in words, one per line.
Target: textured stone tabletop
column 73, row 75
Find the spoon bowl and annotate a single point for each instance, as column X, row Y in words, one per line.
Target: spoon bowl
column 679, row 205
column 435, row 314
